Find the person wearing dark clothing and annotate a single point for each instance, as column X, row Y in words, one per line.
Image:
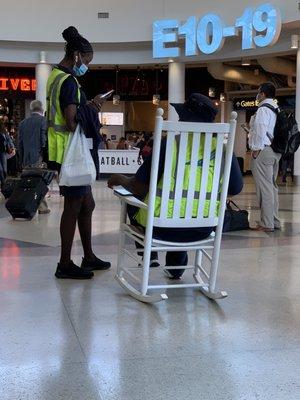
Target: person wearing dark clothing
column 102, row 144
column 198, row 108
column 122, row 144
column 79, row 204
column 32, row 135
column 13, row 158
column 6, row 146
column 32, row 140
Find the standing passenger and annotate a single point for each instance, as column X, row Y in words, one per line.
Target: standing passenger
column 65, row 102
column 6, row 146
column 32, row 140
column 264, row 161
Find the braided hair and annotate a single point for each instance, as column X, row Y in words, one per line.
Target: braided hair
column 75, row 42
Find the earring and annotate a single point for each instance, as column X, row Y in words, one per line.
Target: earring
column 76, row 59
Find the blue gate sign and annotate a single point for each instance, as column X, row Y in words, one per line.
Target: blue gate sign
column 260, row 27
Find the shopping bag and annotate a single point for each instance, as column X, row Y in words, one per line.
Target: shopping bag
column 78, row 168
column 235, row 220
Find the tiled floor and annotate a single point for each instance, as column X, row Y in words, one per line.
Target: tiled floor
column 87, row 340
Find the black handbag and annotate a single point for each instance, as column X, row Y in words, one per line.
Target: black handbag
column 235, row 219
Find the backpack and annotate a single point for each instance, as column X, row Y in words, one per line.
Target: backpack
column 286, row 138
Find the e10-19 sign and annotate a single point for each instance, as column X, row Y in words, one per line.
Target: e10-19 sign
column 260, row 27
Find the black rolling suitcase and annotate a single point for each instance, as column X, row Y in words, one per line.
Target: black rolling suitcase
column 26, row 197
column 8, row 187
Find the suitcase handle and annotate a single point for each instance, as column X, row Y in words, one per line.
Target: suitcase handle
column 229, row 207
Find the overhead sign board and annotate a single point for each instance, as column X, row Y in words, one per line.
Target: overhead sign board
column 17, row 84
column 240, row 104
column 284, row 102
column 119, row 161
column 260, row 27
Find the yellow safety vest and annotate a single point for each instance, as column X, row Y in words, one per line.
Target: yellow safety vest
column 58, row 134
column 141, row 216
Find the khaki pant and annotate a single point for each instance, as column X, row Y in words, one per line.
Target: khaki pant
column 265, row 170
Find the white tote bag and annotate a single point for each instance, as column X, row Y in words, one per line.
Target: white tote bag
column 78, row 168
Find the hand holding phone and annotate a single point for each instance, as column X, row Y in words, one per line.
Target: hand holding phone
column 106, row 95
column 101, row 98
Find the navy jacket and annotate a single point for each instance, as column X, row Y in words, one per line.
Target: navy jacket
column 89, row 121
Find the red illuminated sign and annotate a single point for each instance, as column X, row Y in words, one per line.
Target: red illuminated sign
column 17, row 84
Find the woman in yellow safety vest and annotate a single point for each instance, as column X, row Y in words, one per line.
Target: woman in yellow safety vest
column 65, row 100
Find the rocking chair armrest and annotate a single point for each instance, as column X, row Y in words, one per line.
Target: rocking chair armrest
column 133, row 201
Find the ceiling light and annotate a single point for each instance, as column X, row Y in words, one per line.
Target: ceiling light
column 156, row 99
column 294, row 41
column 42, row 57
column 211, row 92
column 246, row 62
column 116, row 100
column 222, row 97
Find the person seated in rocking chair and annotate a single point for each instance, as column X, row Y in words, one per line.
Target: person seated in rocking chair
column 198, row 108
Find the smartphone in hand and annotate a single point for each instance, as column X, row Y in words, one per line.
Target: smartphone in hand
column 122, row 191
column 106, row 95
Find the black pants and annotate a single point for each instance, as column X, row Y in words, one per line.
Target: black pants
column 12, row 166
column 182, row 235
column 3, row 168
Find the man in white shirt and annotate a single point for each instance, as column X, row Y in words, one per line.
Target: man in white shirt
column 264, row 161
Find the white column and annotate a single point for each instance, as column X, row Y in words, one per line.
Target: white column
column 42, row 72
column 176, row 87
column 222, row 111
column 297, row 115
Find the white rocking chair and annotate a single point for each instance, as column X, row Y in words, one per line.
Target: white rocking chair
column 135, row 279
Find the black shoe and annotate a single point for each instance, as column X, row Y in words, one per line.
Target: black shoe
column 95, row 265
column 153, row 264
column 72, row 272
